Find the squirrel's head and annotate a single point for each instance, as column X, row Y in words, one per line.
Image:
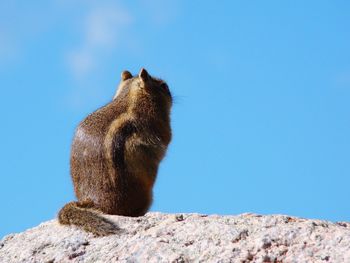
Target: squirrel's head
column 143, row 87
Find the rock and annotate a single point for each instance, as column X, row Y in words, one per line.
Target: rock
column 158, row 237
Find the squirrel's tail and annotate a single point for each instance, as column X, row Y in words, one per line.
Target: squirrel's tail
column 86, row 216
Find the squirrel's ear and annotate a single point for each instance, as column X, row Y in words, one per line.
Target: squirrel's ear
column 126, row 75
column 144, row 74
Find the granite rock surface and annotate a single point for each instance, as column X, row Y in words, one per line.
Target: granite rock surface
column 158, row 237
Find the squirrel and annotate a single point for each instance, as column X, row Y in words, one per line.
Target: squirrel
column 116, row 152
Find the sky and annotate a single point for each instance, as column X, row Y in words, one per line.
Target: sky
column 261, row 114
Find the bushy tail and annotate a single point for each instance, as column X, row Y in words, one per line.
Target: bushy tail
column 86, row 216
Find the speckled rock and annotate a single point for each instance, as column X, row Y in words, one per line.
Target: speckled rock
column 158, row 237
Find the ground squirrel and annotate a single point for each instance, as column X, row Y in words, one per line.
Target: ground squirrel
column 115, row 154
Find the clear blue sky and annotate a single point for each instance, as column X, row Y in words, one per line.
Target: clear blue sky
column 261, row 118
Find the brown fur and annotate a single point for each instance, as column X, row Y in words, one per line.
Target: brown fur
column 116, row 152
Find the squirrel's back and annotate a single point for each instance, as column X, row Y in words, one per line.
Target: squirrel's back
column 116, row 150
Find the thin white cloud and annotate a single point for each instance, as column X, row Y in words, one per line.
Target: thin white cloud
column 7, row 48
column 103, row 30
column 80, row 62
column 103, row 27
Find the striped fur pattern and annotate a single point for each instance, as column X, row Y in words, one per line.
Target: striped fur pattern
column 116, row 152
